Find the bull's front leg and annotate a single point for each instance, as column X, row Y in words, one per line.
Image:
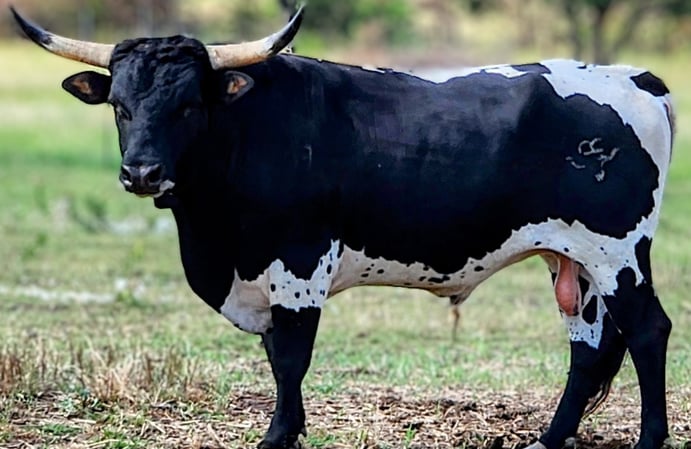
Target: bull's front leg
column 289, row 346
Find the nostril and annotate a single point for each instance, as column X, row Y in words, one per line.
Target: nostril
column 126, row 173
column 151, row 174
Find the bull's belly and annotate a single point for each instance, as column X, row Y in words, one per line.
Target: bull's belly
column 356, row 268
column 599, row 257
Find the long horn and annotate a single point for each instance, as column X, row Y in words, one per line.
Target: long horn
column 89, row 52
column 239, row 55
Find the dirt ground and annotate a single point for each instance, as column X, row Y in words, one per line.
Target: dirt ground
column 360, row 418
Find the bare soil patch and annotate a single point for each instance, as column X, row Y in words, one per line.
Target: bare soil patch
column 364, row 417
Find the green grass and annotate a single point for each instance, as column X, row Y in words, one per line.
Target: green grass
column 123, row 332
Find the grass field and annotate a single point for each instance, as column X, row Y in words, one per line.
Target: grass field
column 103, row 345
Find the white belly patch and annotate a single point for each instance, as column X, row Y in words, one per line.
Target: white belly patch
column 601, row 257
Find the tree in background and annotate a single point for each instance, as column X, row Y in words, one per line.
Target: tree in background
column 345, row 18
column 595, row 30
column 593, row 23
column 598, row 30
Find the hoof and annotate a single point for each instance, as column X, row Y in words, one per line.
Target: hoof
column 295, row 445
column 270, row 445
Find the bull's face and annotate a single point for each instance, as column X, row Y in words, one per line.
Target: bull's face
column 156, row 93
column 162, row 91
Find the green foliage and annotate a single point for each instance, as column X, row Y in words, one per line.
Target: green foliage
column 480, row 6
column 678, row 8
column 32, row 250
column 597, row 30
column 91, row 214
column 318, row 441
column 249, row 19
column 394, row 17
column 59, row 429
column 343, row 19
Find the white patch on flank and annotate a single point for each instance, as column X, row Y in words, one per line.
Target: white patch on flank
column 605, row 85
column 613, row 86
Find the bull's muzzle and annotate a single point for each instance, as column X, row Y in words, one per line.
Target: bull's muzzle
column 145, row 180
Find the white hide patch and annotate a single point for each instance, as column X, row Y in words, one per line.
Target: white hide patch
column 613, row 86
column 248, row 306
column 165, row 186
column 601, row 257
column 443, row 75
column 293, row 293
column 579, row 329
column 605, row 85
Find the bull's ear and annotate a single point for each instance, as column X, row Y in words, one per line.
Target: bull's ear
column 236, row 85
column 90, row 87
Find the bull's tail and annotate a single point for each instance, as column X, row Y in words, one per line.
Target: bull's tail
column 671, row 114
column 602, row 392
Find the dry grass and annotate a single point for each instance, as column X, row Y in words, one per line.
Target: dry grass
column 363, row 418
column 106, row 399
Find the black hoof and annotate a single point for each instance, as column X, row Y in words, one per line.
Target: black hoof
column 282, row 442
column 270, row 445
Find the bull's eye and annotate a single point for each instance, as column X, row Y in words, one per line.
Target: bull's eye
column 121, row 113
column 188, row 110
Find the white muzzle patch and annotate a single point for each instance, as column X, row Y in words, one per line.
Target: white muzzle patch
column 165, row 186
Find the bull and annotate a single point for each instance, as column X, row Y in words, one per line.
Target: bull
column 291, row 179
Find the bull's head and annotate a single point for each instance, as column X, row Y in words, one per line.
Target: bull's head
column 161, row 90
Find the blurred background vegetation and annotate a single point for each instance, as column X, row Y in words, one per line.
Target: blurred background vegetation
column 409, row 31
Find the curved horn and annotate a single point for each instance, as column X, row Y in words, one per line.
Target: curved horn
column 89, row 52
column 239, row 55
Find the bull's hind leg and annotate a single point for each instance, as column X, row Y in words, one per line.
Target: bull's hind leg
column 630, row 317
column 597, row 351
column 638, row 314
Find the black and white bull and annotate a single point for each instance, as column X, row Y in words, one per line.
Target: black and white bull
column 292, row 179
